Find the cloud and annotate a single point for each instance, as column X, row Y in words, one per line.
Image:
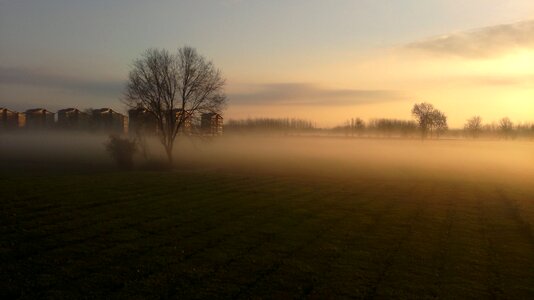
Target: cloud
column 310, row 94
column 19, row 76
column 261, row 94
column 480, row 43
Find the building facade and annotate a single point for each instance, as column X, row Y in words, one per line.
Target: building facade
column 72, row 119
column 140, row 120
column 187, row 126
column 108, row 120
column 39, row 118
column 211, row 124
column 9, row 119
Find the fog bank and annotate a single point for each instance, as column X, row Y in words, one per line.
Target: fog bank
column 343, row 158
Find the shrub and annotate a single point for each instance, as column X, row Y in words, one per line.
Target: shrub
column 121, row 150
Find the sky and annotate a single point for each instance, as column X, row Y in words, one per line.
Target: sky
column 326, row 61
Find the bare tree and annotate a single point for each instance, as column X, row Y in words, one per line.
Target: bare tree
column 506, row 127
column 439, row 122
column 121, row 150
column 429, row 119
column 174, row 88
column 423, row 113
column 474, row 126
column 359, row 126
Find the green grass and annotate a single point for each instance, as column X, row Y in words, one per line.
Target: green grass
column 211, row 234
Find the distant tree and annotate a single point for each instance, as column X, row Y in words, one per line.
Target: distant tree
column 121, row 150
column 174, row 88
column 531, row 130
column 423, row 115
column 390, row 127
column 358, row 125
column 353, row 126
column 439, row 122
column 429, row 119
column 506, row 127
column 524, row 129
column 269, row 124
column 473, row 126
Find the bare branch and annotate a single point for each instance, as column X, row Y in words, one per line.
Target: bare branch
column 175, row 89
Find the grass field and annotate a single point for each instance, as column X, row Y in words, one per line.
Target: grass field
column 206, row 234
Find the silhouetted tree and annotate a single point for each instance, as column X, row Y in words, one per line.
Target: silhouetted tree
column 473, row 126
column 525, row 129
column 506, row 127
column 269, row 124
column 357, row 126
column 174, row 88
column 429, row 119
column 352, row 126
column 439, row 122
column 390, row 127
column 121, row 150
column 423, row 115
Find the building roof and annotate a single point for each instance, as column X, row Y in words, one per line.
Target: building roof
column 40, row 110
column 211, row 115
column 68, row 109
column 138, row 109
column 105, row 110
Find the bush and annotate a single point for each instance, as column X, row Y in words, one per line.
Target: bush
column 122, row 151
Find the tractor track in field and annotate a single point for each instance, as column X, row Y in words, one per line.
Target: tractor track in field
column 86, row 207
column 391, row 256
column 223, row 209
column 21, row 256
column 369, row 229
column 445, row 247
column 135, row 193
column 172, row 293
column 166, row 243
column 514, row 211
column 47, row 208
column 280, row 261
column 494, row 284
column 211, row 245
column 276, row 266
column 87, row 213
column 118, row 244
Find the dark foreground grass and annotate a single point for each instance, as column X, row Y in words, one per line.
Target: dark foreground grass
column 207, row 234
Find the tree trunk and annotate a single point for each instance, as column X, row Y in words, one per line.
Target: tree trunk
column 168, row 150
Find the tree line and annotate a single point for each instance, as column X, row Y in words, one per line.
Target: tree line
column 428, row 122
column 377, row 127
column 269, row 124
column 504, row 128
